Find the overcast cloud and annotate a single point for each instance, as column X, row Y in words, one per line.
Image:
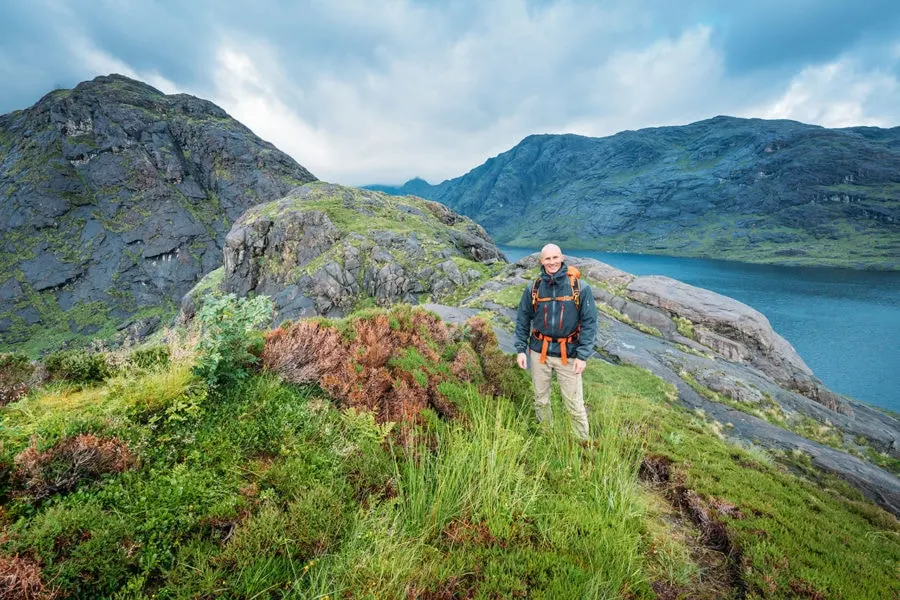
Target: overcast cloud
column 380, row 91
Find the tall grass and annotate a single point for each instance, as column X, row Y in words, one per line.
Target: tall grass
column 478, row 471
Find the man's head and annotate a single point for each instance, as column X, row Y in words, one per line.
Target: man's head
column 551, row 258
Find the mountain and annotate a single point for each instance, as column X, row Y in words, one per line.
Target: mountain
column 744, row 189
column 114, row 200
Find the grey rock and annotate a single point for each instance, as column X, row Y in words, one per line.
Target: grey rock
column 10, row 290
column 733, row 330
column 292, row 244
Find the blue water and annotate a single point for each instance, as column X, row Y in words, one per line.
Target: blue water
column 845, row 324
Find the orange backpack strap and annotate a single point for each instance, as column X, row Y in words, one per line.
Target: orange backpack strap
column 574, row 276
column 534, row 293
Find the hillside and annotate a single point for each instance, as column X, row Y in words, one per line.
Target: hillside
column 114, row 200
column 369, row 449
column 743, row 189
column 389, row 455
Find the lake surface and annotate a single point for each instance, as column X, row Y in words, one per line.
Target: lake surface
column 845, row 324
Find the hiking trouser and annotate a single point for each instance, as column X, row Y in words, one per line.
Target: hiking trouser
column 569, row 385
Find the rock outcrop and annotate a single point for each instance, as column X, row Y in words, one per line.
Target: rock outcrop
column 746, row 189
column 725, row 360
column 116, row 199
column 326, row 249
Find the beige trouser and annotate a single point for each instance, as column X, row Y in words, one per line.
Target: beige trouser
column 569, row 385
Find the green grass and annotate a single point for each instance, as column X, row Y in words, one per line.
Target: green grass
column 269, row 490
column 813, row 530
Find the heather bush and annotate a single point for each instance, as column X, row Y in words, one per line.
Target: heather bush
column 40, row 474
column 15, row 372
column 230, row 343
column 78, row 366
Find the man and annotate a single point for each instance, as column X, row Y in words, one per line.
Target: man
column 557, row 323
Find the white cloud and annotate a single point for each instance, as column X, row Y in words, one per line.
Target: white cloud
column 437, row 99
column 838, row 94
column 660, row 84
column 247, row 93
column 94, row 60
column 364, row 92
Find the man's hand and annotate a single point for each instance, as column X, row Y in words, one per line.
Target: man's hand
column 523, row 360
column 578, row 366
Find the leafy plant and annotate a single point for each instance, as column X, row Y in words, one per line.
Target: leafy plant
column 79, row 366
column 150, row 358
column 231, row 343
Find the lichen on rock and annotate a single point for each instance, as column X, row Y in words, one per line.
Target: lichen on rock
column 324, row 249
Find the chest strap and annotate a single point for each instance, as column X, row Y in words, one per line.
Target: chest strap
column 546, row 339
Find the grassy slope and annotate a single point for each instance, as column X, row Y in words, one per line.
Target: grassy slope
column 268, row 490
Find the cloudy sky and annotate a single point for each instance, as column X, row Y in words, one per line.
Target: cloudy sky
column 379, row 91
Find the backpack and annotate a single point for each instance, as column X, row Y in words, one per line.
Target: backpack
column 574, row 275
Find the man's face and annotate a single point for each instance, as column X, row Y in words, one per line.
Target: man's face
column 552, row 260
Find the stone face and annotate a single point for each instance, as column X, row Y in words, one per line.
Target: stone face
column 114, row 193
column 733, row 330
column 323, row 249
column 734, row 353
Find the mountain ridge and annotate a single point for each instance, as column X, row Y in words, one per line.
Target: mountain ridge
column 755, row 190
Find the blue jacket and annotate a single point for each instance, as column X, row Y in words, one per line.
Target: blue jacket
column 557, row 318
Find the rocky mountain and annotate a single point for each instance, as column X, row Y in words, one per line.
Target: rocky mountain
column 325, row 249
column 114, row 200
column 745, row 189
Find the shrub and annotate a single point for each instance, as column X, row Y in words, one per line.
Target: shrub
column 230, row 343
column 74, row 459
column 79, row 366
column 388, row 362
column 15, row 372
column 150, row 358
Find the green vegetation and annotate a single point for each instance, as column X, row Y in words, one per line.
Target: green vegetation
column 684, row 326
column 257, row 488
column 747, row 238
column 81, row 325
column 230, row 343
column 79, row 366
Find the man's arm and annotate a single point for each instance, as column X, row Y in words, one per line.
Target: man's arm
column 588, row 333
column 524, row 316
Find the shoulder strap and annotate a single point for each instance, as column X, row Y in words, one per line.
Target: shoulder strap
column 574, row 276
column 576, row 290
column 534, row 293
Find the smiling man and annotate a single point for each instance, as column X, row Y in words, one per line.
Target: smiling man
column 557, row 323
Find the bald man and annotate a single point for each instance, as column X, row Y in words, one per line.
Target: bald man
column 556, row 324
